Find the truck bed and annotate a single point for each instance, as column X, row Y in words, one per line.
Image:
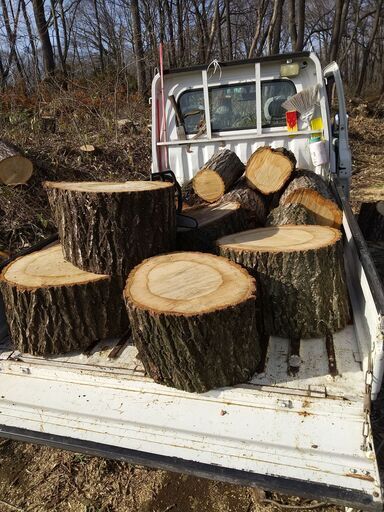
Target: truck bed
column 297, row 427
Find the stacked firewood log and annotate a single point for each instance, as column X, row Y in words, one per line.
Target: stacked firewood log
column 263, row 258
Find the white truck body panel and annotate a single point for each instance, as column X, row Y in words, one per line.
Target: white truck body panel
column 304, row 432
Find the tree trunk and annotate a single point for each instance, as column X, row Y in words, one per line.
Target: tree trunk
column 138, row 46
column 251, row 201
column 310, row 190
column 336, row 30
column 221, row 171
column 229, row 29
column 268, row 169
column 108, row 228
column 371, row 221
column 290, row 214
column 300, row 25
column 46, row 46
column 300, row 277
column 193, row 320
column 14, row 168
column 292, row 23
column 367, row 50
column 53, row 307
column 213, row 221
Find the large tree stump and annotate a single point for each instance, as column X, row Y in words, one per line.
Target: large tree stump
column 290, row 214
column 108, row 228
column 251, row 201
column 213, row 221
column 376, row 250
column 371, row 221
column 53, row 307
column 14, row 168
column 310, row 190
column 300, row 276
column 193, row 320
column 217, row 176
column 268, row 169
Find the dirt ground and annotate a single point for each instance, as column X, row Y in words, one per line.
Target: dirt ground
column 39, row 479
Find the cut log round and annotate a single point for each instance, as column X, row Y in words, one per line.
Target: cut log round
column 250, row 200
column 87, row 148
column 193, row 320
column 371, row 221
column 268, row 169
column 300, row 276
column 54, row 307
column 290, row 214
column 14, row 168
column 213, row 221
column 190, row 198
column 108, row 228
column 310, row 190
column 217, row 176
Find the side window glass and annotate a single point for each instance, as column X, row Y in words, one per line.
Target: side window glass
column 192, row 109
column 273, row 95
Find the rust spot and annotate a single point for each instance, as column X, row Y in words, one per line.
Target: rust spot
column 305, row 414
column 369, row 478
column 306, row 403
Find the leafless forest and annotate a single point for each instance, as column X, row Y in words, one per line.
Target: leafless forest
column 68, row 42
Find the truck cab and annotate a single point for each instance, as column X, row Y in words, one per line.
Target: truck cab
column 302, row 424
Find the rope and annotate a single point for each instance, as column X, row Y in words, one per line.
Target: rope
column 216, row 66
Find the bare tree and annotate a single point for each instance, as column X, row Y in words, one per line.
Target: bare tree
column 42, row 28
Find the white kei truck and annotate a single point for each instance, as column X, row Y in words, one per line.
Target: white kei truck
column 306, row 432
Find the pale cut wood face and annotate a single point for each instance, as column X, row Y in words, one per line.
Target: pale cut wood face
column 208, row 185
column 105, row 187
column 326, row 211
column 268, row 171
column 282, row 238
column 15, row 170
column 47, row 268
column 188, row 283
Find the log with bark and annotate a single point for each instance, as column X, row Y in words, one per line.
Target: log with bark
column 190, row 198
column 377, row 252
column 300, row 277
column 217, row 176
column 310, row 190
column 53, row 307
column 213, row 221
column 108, row 228
column 268, row 169
column 371, row 221
column 290, row 214
column 15, row 169
column 193, row 320
column 251, row 201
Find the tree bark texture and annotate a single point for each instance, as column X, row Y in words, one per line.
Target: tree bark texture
column 217, row 176
column 310, row 190
column 250, row 200
column 201, row 348
column 302, row 294
column 214, row 221
column 42, row 27
column 290, row 214
column 371, row 221
column 45, row 320
column 111, row 232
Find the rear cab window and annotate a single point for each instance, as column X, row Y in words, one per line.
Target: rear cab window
column 233, row 107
